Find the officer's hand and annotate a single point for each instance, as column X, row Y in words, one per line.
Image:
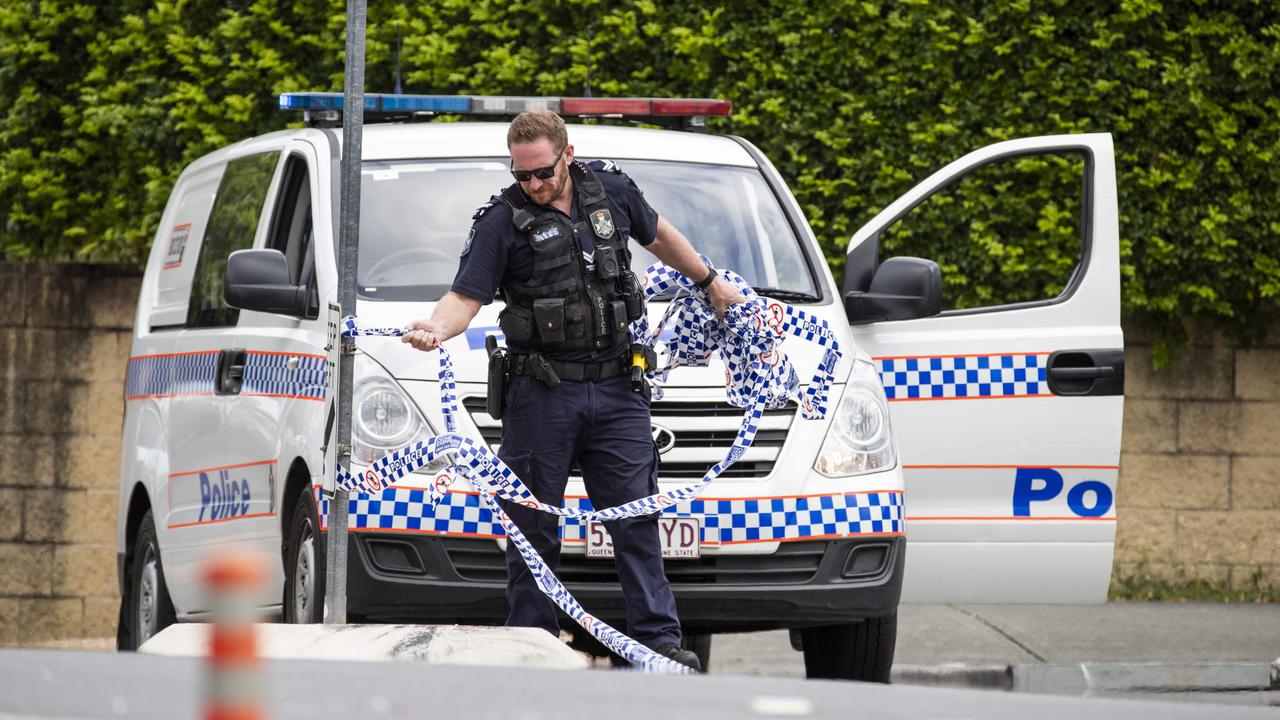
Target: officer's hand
column 422, row 335
column 722, row 295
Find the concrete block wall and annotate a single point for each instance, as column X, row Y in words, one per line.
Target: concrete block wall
column 64, row 345
column 1199, row 494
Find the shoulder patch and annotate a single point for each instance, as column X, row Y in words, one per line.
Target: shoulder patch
column 466, row 246
column 486, row 207
column 605, row 166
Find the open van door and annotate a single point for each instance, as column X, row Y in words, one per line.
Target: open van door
column 1007, row 404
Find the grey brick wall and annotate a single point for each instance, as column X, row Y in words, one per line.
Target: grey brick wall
column 64, row 344
column 1199, row 495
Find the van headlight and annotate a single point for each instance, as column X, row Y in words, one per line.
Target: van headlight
column 384, row 418
column 860, row 439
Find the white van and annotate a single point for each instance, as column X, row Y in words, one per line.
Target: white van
column 991, row 429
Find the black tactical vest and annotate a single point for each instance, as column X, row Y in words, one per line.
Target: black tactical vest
column 564, row 306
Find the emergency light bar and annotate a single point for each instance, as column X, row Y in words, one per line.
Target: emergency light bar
column 326, row 108
column 377, row 102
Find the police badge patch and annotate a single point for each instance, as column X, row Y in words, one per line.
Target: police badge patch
column 466, row 246
column 602, row 221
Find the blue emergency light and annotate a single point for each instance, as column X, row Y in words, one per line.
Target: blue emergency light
column 379, row 102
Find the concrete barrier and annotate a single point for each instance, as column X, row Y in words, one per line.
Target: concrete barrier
column 435, row 644
column 1103, row 677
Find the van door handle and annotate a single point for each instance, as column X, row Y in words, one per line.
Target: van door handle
column 1081, row 373
column 230, row 371
column 1086, row 372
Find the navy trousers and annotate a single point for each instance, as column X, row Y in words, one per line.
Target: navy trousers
column 603, row 428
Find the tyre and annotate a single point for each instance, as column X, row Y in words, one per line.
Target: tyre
column 857, row 651
column 701, row 646
column 304, row 565
column 148, row 609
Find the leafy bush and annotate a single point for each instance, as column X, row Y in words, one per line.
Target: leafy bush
column 854, row 102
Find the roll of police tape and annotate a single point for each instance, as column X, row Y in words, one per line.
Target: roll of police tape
column 747, row 339
column 758, row 376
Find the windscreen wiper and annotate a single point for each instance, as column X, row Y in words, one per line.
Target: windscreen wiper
column 668, row 294
column 776, row 293
column 781, row 294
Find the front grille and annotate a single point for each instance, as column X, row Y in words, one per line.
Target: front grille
column 703, row 430
column 793, row 563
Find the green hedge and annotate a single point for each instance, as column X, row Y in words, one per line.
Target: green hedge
column 854, row 101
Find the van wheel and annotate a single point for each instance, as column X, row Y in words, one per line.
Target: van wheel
column 701, row 646
column 857, row 651
column 150, row 609
column 304, row 565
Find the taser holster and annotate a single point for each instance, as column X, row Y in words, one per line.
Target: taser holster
column 499, row 371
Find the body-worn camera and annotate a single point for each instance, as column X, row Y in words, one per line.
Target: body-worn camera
column 607, row 265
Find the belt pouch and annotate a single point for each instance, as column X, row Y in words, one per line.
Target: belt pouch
column 633, row 295
column 548, row 315
column 618, row 321
column 516, row 323
column 498, row 368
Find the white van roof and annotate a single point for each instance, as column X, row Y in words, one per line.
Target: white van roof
column 489, row 139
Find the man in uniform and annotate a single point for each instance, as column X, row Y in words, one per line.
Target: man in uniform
column 555, row 242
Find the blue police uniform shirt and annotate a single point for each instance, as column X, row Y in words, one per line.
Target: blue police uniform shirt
column 497, row 253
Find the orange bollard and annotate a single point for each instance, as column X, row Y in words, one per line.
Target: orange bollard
column 234, row 689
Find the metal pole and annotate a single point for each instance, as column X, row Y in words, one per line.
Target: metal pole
column 335, row 605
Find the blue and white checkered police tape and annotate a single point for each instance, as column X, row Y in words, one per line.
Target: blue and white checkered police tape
column 758, row 376
column 747, row 338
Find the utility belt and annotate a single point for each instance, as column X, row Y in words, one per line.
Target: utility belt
column 551, row 372
column 502, row 365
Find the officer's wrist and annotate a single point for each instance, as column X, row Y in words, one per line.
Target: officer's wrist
column 705, row 282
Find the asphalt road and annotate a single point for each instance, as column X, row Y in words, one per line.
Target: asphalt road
column 1206, row 652
column 66, row 684
column 985, row 635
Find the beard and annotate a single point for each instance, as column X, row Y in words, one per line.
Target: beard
column 550, row 189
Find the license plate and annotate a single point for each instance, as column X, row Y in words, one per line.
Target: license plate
column 681, row 538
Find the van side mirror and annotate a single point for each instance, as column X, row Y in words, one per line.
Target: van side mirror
column 903, row 288
column 259, row 280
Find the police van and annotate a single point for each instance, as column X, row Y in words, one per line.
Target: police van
column 980, row 438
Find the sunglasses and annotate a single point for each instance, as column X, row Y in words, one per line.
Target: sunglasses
column 542, row 173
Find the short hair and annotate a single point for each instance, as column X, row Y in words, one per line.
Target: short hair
column 533, row 125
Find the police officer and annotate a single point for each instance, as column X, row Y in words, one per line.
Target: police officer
column 555, row 242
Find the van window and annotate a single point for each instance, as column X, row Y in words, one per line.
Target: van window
column 179, row 239
column 1008, row 232
column 730, row 215
column 232, row 225
column 291, row 224
column 415, row 215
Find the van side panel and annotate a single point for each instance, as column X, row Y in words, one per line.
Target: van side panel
column 162, row 307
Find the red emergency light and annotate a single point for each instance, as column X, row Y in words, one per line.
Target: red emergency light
column 645, row 107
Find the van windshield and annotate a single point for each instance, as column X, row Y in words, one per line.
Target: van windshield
column 415, row 216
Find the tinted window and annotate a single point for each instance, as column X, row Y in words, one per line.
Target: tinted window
column 232, row 225
column 730, row 215
column 291, row 222
column 1008, row 232
column 415, row 215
